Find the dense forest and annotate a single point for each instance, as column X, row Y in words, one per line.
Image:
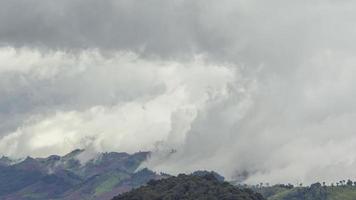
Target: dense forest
column 190, row 187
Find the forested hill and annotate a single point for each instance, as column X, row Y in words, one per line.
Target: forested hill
column 316, row 191
column 190, row 187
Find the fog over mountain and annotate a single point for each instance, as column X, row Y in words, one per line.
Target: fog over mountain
column 260, row 91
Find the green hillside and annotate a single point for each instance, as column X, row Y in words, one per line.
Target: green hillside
column 190, row 187
column 65, row 178
column 314, row 192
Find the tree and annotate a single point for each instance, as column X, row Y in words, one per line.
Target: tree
column 349, row 182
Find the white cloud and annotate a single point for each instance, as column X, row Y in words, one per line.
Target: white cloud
column 282, row 128
column 133, row 125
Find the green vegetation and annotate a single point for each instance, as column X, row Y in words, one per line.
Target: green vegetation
column 189, row 187
column 342, row 191
column 108, row 184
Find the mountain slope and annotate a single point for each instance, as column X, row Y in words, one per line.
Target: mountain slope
column 66, row 178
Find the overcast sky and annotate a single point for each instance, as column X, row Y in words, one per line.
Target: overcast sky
column 259, row 91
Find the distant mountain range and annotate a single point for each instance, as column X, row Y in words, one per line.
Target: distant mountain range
column 110, row 174
column 65, row 178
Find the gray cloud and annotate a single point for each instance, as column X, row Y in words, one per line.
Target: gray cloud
column 152, row 26
column 245, row 31
column 275, row 89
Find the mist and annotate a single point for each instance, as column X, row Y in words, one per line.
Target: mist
column 257, row 91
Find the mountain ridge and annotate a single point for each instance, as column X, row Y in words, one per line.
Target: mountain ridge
column 67, row 178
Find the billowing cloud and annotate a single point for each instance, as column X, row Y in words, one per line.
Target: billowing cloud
column 259, row 91
column 120, row 102
column 294, row 130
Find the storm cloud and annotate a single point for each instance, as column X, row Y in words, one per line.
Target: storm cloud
column 258, row 91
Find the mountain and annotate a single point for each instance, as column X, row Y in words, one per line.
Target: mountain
column 67, row 178
column 189, row 187
column 5, row 161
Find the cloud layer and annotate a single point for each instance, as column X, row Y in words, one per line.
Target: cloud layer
column 121, row 103
column 259, row 91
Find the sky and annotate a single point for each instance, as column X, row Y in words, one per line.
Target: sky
column 259, row 91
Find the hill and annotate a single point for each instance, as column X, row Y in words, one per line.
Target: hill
column 315, row 191
column 66, row 178
column 189, row 187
